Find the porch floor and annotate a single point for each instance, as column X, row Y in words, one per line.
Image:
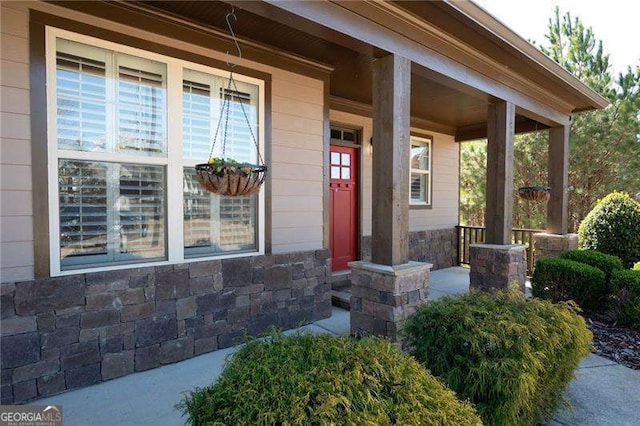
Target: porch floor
column 604, row 393
column 443, row 282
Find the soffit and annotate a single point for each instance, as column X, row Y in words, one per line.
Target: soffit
column 351, row 59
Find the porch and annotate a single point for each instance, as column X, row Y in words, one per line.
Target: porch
column 151, row 395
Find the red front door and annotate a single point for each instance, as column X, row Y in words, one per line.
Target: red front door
column 343, row 187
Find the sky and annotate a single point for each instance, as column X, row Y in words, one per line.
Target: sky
column 615, row 22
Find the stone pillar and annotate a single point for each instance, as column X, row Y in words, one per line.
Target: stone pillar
column 547, row 246
column 383, row 296
column 498, row 267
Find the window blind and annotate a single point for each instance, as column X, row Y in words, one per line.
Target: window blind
column 81, row 102
column 141, row 111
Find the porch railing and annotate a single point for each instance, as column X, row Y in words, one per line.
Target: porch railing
column 468, row 235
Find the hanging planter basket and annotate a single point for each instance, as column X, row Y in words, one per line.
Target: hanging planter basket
column 231, row 178
column 534, row 193
column 226, row 176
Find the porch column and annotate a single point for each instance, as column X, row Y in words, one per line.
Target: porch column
column 498, row 264
column 500, row 133
column 391, row 150
column 390, row 287
column 558, row 205
column 557, row 239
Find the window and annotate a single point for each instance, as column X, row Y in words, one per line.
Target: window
column 420, row 193
column 126, row 128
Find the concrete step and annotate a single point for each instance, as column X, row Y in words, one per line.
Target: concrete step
column 341, row 289
column 340, row 279
column 341, row 299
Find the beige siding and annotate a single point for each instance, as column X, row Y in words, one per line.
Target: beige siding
column 16, row 221
column 444, row 213
column 297, row 143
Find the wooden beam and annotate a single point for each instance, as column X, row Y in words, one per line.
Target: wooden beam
column 479, row 131
column 391, row 129
column 558, row 205
column 366, row 110
column 501, row 126
column 379, row 27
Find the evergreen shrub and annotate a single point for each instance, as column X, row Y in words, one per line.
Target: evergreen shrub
column 511, row 356
column 315, row 380
column 563, row 279
column 625, row 297
column 613, row 227
column 605, row 262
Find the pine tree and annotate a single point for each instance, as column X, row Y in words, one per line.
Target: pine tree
column 604, row 144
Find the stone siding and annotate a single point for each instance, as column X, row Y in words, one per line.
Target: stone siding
column 437, row 247
column 498, row 267
column 547, row 246
column 70, row 332
column 382, row 297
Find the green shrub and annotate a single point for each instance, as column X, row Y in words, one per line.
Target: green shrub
column 613, row 227
column 306, row 379
column 605, row 262
column 511, row 356
column 625, row 300
column 564, row 279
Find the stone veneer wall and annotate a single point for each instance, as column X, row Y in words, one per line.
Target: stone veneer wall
column 69, row 332
column 498, row 267
column 438, row 247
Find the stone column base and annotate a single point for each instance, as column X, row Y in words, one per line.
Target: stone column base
column 547, row 246
column 498, row 267
column 383, row 296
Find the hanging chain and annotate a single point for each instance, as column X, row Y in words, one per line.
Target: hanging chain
column 230, row 90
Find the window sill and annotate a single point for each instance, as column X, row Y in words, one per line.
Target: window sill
column 420, row 206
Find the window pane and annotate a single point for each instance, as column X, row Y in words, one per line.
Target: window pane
column 110, row 213
column 83, row 211
column 420, row 156
column 419, row 187
column 81, row 97
column 142, row 106
column 203, row 98
column 346, row 159
column 335, row 158
column 140, row 212
column 335, row 172
column 216, row 224
column 346, row 173
column 197, row 119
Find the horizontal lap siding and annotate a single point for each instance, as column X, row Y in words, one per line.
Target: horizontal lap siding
column 297, row 143
column 16, row 212
column 297, row 167
column 444, row 211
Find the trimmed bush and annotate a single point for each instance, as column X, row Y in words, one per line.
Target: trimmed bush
column 511, row 356
column 306, row 379
column 563, row 279
column 605, row 262
column 613, row 227
column 625, row 300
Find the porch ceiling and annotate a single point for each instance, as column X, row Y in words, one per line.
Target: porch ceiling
column 435, row 98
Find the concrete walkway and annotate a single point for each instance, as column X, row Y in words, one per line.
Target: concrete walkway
column 605, row 393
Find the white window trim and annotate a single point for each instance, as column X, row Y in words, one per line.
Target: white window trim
column 174, row 168
column 429, row 142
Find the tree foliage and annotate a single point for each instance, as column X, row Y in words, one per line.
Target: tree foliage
column 604, row 144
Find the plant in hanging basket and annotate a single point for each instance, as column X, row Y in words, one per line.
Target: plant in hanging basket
column 534, row 193
column 229, row 177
